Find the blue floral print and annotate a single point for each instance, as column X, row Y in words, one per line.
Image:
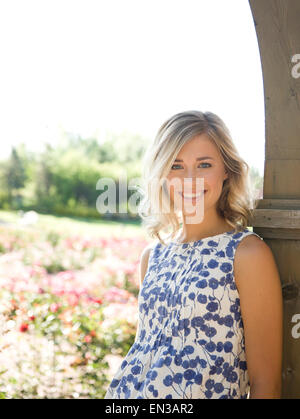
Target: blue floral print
column 190, row 338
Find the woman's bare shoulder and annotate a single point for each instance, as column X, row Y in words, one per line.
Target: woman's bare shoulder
column 251, row 245
column 254, row 258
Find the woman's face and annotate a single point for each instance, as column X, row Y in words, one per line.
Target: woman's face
column 199, row 158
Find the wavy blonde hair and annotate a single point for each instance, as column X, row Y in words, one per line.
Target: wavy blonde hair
column 236, row 202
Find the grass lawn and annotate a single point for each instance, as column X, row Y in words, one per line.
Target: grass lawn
column 77, row 225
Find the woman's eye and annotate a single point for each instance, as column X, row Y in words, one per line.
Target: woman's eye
column 174, row 165
column 209, row 165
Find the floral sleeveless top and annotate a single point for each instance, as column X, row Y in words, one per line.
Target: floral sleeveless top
column 190, row 338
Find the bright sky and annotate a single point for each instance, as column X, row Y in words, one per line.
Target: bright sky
column 92, row 66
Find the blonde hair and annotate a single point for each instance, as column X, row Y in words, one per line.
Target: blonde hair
column 235, row 204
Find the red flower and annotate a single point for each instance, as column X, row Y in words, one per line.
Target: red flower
column 93, row 333
column 98, row 300
column 23, row 327
column 32, row 318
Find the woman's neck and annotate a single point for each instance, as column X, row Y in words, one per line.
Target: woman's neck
column 193, row 232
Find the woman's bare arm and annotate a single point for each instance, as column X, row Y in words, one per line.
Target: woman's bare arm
column 144, row 262
column 258, row 282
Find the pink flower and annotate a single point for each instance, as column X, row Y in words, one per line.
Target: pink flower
column 54, row 307
column 121, row 311
column 66, row 275
column 73, row 300
column 117, row 295
column 130, row 268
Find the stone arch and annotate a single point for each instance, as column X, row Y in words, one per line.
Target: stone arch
column 277, row 217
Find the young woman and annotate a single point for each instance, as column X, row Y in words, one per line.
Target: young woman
column 210, row 302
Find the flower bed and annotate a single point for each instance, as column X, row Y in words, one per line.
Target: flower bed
column 68, row 312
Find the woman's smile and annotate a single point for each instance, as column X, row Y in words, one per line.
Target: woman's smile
column 192, row 197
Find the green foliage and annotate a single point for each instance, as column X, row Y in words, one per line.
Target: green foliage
column 62, row 180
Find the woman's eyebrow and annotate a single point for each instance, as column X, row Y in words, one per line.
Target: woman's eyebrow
column 198, row 158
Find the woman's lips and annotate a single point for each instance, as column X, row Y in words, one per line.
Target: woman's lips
column 189, row 197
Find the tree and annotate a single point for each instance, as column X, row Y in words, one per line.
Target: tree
column 14, row 177
column 43, row 174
